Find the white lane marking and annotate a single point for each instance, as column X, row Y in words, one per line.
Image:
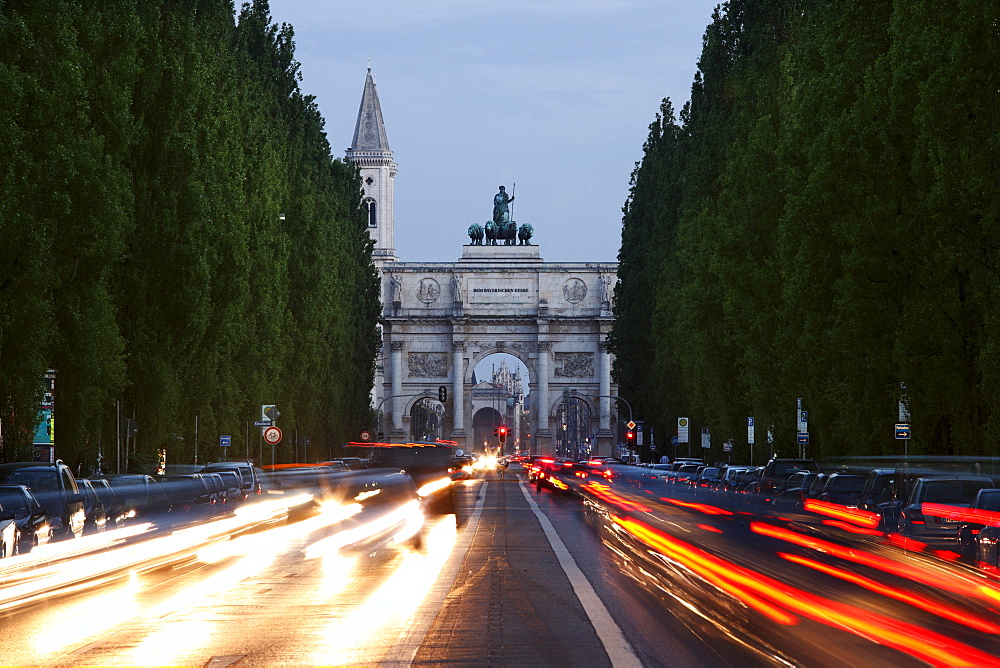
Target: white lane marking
column 405, row 649
column 618, row 648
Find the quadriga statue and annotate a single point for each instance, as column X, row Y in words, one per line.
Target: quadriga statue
column 524, row 234
column 476, row 234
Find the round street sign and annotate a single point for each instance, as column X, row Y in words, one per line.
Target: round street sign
column 272, row 435
column 366, row 436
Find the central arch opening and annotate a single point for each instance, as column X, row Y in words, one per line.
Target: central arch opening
column 498, row 399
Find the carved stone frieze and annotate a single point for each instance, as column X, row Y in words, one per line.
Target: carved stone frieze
column 396, row 345
column 574, row 365
column 544, row 346
column 427, row 365
column 458, row 345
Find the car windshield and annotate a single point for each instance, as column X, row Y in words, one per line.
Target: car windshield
column 39, row 481
column 13, row 500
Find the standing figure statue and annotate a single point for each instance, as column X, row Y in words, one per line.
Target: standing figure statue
column 501, row 210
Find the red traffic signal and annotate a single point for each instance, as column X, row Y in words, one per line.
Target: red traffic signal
column 629, row 435
column 502, row 434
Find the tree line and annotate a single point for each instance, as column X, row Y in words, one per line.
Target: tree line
column 820, row 222
column 176, row 237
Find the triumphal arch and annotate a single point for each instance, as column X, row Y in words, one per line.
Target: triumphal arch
column 441, row 319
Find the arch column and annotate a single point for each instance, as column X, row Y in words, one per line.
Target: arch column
column 458, row 389
column 542, row 431
column 397, row 387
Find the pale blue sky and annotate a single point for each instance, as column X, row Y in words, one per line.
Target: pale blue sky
column 555, row 96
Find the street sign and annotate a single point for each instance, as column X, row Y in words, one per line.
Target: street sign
column 803, row 438
column 706, row 438
column 674, row 441
column 638, row 433
column 630, row 424
column 272, row 435
column 682, row 430
column 751, row 427
column 262, row 423
column 727, row 446
column 269, row 412
column 225, row 441
column 366, row 436
column 902, row 431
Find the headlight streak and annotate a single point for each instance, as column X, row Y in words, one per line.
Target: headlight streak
column 434, row 486
column 393, row 603
column 916, row 641
column 24, row 582
column 333, row 544
column 898, row 594
column 940, row 578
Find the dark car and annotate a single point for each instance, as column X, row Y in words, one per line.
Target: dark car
column 233, row 491
column 55, row 488
column 249, row 479
column 843, row 489
column 188, row 495
column 116, row 512
column 93, row 507
column 139, row 494
column 777, row 471
column 933, row 511
column 982, row 519
column 29, row 515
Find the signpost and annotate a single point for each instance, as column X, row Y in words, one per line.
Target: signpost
column 272, row 435
column 682, row 433
column 750, row 436
column 706, row 438
column 225, row 442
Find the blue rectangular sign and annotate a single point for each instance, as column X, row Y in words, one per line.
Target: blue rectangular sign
column 902, row 431
column 803, row 438
column 225, row 441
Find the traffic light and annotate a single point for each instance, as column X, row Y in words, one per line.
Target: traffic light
column 442, row 394
column 629, row 437
column 502, row 434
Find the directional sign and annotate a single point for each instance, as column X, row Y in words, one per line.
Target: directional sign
column 803, row 438
column 727, row 446
column 272, row 435
column 225, row 441
column 902, row 431
column 262, row 423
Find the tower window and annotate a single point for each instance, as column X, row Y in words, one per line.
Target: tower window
column 369, row 204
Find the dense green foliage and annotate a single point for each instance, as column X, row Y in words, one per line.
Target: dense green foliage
column 176, row 235
column 822, row 222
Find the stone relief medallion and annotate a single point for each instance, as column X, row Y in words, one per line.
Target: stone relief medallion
column 574, row 365
column 574, row 290
column 428, row 290
column 428, row 365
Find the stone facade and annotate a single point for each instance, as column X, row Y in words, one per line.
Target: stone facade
column 444, row 318
column 439, row 320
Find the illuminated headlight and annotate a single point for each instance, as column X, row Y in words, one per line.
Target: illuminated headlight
column 435, row 486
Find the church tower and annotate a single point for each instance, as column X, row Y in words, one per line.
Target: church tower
column 370, row 151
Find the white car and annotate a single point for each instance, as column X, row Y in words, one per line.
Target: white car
column 8, row 534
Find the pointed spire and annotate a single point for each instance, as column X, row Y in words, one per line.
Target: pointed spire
column 369, row 133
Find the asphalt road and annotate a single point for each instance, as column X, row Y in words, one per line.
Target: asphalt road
column 625, row 576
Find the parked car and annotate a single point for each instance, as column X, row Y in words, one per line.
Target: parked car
column 939, row 529
column 188, row 495
column 233, row 495
column 8, row 533
column 32, row 521
column 843, row 488
column 55, row 488
column 250, row 480
column 777, row 471
column 982, row 521
column 139, row 494
column 116, row 511
column 94, row 509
